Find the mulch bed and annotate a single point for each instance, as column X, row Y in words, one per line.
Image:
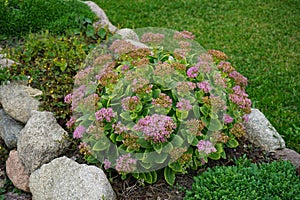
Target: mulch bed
column 131, row 189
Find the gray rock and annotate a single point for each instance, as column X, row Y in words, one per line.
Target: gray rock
column 127, row 33
column 137, row 44
column 41, row 140
column 9, row 129
column 64, row 179
column 289, row 154
column 16, row 171
column 2, row 56
column 17, row 101
column 261, row 132
column 5, row 62
column 103, row 19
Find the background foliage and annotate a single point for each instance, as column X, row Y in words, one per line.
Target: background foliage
column 19, row 17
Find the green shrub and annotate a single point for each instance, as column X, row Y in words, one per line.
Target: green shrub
column 50, row 63
column 277, row 180
column 164, row 109
column 21, row 17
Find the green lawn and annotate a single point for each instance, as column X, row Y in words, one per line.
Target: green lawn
column 261, row 38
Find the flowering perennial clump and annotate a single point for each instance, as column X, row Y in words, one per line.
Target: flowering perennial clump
column 169, row 106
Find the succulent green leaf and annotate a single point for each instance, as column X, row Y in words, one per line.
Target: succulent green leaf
column 175, row 166
column 169, row 175
column 232, row 143
column 100, row 145
column 214, row 156
column 177, row 141
column 144, row 144
column 215, row 125
column 126, row 116
column 196, row 111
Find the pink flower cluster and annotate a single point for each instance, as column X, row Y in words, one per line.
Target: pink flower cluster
column 76, row 97
column 192, row 72
column 105, row 114
column 225, row 67
column 83, row 76
column 219, row 80
column 71, row 122
column 106, row 164
column 125, row 164
column 140, row 85
column 163, row 100
column 120, row 128
column 122, row 47
column 205, row 86
column 240, row 97
column 184, row 104
column 227, row 119
column 204, row 66
column 152, row 37
column 163, row 69
column 183, row 35
column 78, row 132
column 130, row 103
column 206, row 146
column 156, row 128
column 68, row 98
column 184, row 87
column 239, row 78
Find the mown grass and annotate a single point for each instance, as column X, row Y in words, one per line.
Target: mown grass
column 261, row 38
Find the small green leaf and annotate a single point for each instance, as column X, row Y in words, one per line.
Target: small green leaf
column 219, row 147
column 144, row 143
column 102, row 33
column 91, row 159
column 119, row 138
column 215, row 125
column 84, row 117
column 148, row 177
column 100, row 145
column 157, row 147
column 175, row 166
column 214, row 156
column 167, row 148
column 196, row 111
column 156, row 93
column 169, row 175
column 146, row 165
column 136, row 175
column 126, row 116
column 204, row 110
column 160, row 158
column 113, row 137
column 232, row 143
column 177, row 141
column 108, row 126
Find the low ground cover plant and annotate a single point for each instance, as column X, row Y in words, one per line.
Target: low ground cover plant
column 19, row 17
column 169, row 107
column 276, row 180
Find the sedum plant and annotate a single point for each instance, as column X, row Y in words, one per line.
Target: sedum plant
column 161, row 106
column 277, row 180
